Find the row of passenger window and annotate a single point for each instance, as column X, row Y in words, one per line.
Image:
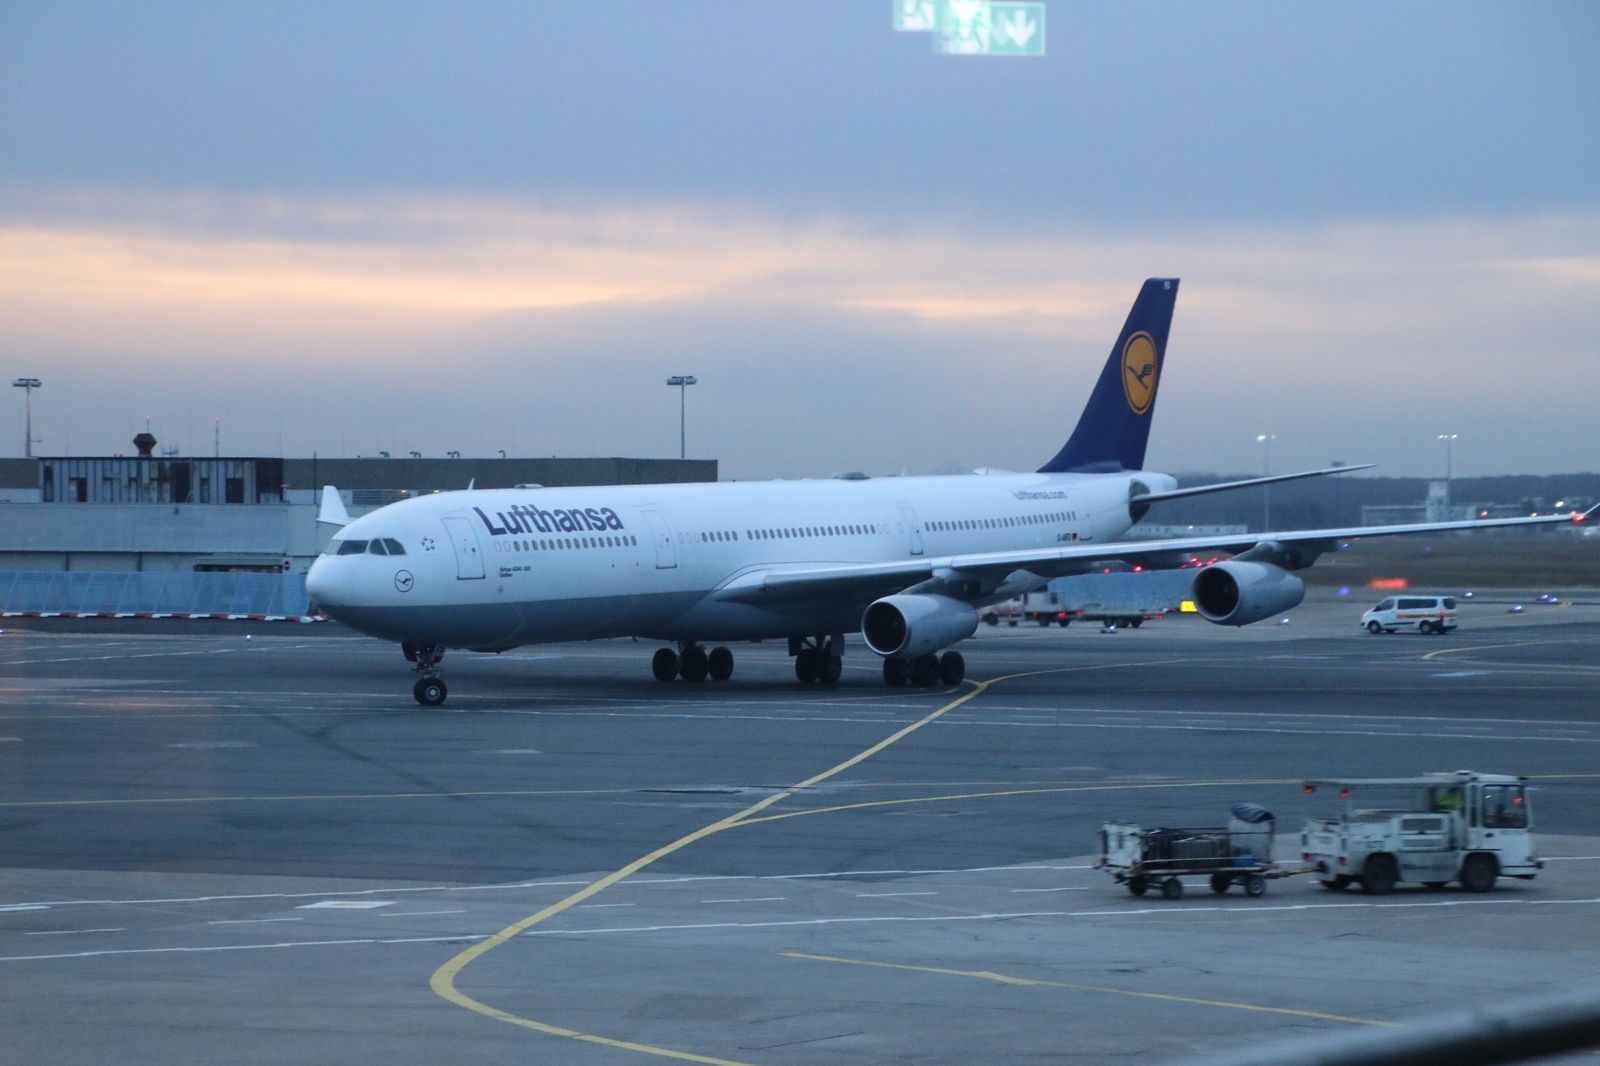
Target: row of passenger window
column 811, row 531
column 382, row 546
column 565, row 544
column 1014, row 522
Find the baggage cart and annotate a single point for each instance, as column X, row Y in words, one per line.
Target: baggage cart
column 1239, row 853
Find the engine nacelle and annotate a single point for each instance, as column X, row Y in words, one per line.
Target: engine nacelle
column 908, row 625
column 1235, row 594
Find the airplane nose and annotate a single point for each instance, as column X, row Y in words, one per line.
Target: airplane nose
column 321, row 588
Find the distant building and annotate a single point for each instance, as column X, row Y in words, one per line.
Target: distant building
column 184, row 513
column 1436, row 507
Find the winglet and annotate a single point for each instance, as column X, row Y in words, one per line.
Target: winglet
column 332, row 511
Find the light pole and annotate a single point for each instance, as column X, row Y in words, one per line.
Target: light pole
column 27, row 440
column 1449, row 439
column 1265, row 440
column 682, row 381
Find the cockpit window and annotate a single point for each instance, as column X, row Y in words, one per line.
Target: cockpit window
column 352, row 547
column 377, row 548
column 393, row 546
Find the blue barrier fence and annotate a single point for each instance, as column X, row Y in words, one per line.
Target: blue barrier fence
column 176, row 592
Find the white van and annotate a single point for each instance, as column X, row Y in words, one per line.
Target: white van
column 1425, row 614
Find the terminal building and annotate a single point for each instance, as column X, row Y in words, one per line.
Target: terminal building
column 169, row 513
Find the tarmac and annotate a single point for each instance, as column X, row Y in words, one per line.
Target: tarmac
column 245, row 842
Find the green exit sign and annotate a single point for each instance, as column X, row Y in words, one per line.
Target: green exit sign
column 975, row 27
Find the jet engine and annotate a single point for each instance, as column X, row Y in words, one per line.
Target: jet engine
column 909, row 625
column 1233, row 593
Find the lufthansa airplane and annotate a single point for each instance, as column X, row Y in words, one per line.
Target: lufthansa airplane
column 906, row 561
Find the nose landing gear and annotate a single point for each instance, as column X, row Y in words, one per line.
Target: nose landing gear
column 430, row 689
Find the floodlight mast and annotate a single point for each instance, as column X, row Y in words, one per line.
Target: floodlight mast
column 682, row 381
column 28, row 384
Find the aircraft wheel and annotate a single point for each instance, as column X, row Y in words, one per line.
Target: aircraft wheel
column 720, row 664
column 925, row 671
column 1374, row 628
column 693, row 664
column 896, row 672
column 665, row 664
column 829, row 667
column 805, row 666
column 952, row 668
column 430, row 691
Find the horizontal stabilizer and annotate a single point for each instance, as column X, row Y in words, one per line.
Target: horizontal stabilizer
column 332, row 511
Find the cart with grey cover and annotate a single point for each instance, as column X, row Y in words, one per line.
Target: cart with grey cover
column 1239, row 853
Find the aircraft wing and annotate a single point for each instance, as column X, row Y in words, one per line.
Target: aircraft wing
column 1228, row 486
column 976, row 575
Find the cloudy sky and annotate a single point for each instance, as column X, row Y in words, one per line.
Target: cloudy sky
column 346, row 227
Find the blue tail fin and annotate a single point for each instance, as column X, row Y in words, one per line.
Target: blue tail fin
column 1115, row 424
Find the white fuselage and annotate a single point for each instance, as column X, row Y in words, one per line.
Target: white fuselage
column 497, row 568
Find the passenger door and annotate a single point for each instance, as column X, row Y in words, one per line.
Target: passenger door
column 464, row 539
column 661, row 534
column 913, row 529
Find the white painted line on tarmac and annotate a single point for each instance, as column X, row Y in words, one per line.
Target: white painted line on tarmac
column 246, row 947
column 252, row 921
column 747, row 899
column 1048, row 890
column 70, row 932
column 417, row 914
column 886, row 895
column 1173, row 910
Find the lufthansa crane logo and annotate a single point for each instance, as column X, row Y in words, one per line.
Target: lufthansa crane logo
column 1139, row 372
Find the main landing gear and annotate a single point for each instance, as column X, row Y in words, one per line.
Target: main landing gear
column 692, row 663
column 925, row 671
column 430, row 689
column 817, row 660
